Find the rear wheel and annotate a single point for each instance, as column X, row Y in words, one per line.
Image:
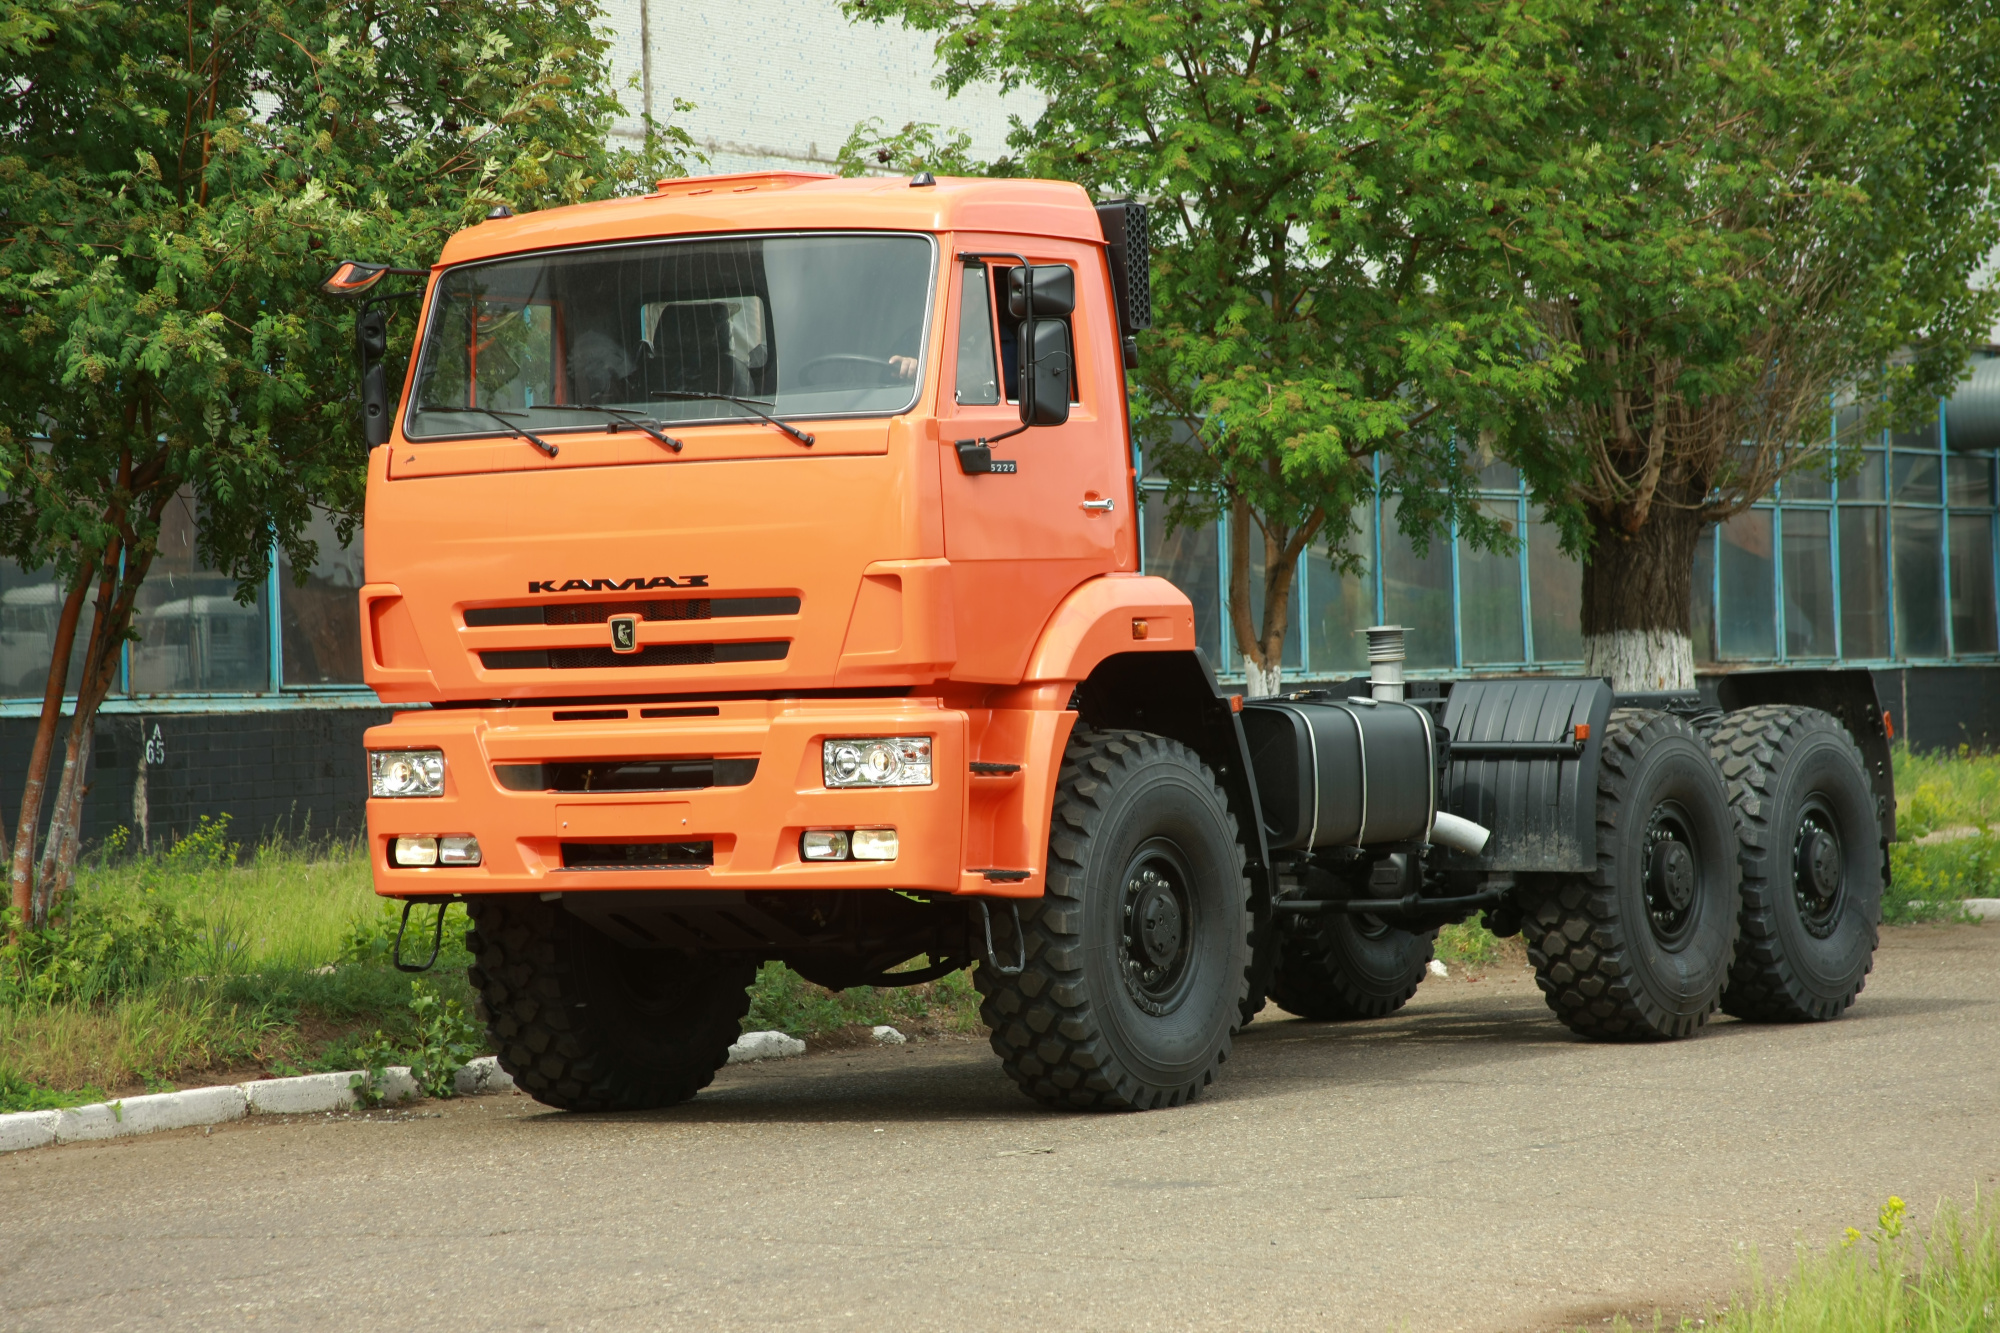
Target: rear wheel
column 1138, row 955
column 1640, row 947
column 1814, row 863
column 584, row 1023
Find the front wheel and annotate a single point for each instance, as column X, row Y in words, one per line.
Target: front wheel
column 584, row 1023
column 1641, row 947
column 1138, row 955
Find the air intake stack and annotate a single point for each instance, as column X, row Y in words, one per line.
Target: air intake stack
column 1385, row 662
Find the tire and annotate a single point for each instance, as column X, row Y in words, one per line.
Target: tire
column 584, row 1023
column 1106, row 1017
column 1809, row 831
column 1640, row 948
column 1343, row 968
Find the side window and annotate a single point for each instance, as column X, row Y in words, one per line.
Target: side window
column 977, row 386
column 1010, row 361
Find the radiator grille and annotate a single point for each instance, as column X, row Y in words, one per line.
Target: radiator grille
column 596, row 613
column 658, row 654
column 589, row 775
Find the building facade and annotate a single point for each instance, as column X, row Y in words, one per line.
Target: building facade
column 258, row 709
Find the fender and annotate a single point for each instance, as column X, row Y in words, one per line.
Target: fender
column 1114, row 613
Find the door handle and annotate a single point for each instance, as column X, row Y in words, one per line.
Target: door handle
column 1098, row 506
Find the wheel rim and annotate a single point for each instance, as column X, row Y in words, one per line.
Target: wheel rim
column 1819, row 869
column 1158, row 926
column 1670, row 871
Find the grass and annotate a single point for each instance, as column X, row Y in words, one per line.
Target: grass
column 1938, row 791
column 179, row 966
column 1889, row 1279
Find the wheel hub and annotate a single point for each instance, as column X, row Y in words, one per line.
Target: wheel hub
column 1159, row 920
column 1670, row 874
column 1156, row 929
column 1818, row 871
column 1673, row 876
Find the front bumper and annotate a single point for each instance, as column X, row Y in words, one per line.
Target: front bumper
column 754, row 829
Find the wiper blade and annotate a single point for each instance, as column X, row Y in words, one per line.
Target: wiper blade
column 505, row 424
column 625, row 417
column 747, row 403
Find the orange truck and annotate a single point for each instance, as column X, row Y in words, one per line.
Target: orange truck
column 755, row 567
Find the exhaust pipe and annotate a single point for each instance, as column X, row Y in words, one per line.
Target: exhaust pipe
column 1461, row 835
column 1385, row 662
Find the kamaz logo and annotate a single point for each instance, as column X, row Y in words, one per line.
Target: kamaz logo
column 618, row 585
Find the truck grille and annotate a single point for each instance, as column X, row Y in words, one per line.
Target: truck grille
column 596, row 613
column 658, row 654
column 577, row 775
column 638, row 855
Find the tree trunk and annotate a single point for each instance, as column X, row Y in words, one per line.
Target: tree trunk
column 117, row 592
column 21, row 869
column 1259, row 681
column 58, row 871
column 1637, row 595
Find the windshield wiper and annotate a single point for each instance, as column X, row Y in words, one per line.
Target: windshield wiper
column 507, row 425
column 747, row 403
column 626, row 417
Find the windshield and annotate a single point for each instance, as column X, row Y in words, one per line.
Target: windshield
column 797, row 326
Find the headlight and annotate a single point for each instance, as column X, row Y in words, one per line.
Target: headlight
column 406, row 772
column 878, row 761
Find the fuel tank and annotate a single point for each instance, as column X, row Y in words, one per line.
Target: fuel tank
column 1342, row 772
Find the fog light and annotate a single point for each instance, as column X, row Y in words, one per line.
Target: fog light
column 877, row 761
column 406, row 772
column 824, row 845
column 874, row 844
column 459, row 849
column 415, row 851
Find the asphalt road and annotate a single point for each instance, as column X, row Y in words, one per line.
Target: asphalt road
column 1467, row 1164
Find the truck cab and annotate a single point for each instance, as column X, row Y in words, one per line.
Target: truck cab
column 741, row 586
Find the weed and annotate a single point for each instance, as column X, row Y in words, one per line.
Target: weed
column 1468, row 944
column 17, row 1093
column 1888, row 1279
column 443, row 1042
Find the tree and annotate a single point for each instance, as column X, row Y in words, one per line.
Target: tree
column 1780, row 201
column 174, row 183
column 1341, row 212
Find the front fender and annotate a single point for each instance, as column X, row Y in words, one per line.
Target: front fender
column 1114, row 613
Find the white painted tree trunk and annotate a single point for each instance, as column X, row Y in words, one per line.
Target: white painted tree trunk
column 1257, row 682
column 1641, row 659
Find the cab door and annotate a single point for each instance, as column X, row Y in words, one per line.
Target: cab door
column 1020, row 540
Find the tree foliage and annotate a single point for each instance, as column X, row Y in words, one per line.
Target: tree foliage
column 174, row 182
column 1345, row 206
column 1777, row 202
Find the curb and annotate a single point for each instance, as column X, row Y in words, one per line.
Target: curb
column 305, row 1095
column 1987, row 909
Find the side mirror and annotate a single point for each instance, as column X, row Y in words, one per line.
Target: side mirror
column 371, row 344
column 1055, row 292
column 354, row 280
column 1045, row 369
